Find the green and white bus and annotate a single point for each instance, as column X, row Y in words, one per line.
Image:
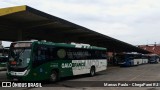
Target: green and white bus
column 41, row 60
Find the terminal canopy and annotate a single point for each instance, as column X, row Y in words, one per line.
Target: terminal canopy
column 26, row 23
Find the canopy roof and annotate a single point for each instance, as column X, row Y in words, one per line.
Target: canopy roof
column 26, row 23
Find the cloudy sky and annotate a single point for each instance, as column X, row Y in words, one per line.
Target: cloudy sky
column 132, row 21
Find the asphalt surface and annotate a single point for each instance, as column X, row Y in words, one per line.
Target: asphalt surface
column 147, row 72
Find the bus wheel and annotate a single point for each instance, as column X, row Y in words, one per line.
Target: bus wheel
column 92, row 71
column 54, row 76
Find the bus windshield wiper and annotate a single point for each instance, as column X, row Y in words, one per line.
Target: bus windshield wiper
column 17, row 55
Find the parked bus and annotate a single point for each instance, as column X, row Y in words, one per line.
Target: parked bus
column 129, row 59
column 145, row 59
column 153, row 58
column 40, row 60
column 3, row 57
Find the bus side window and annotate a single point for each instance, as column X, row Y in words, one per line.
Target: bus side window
column 51, row 53
column 37, row 54
column 40, row 54
column 69, row 54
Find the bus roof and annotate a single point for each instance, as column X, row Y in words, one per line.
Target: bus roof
column 129, row 54
column 71, row 45
column 29, row 41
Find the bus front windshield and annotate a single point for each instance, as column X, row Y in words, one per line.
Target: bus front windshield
column 19, row 57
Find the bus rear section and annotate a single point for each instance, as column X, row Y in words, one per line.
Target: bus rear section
column 153, row 58
column 124, row 60
column 138, row 59
column 128, row 59
column 145, row 59
column 38, row 60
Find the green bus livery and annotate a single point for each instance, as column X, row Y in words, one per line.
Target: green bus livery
column 41, row 60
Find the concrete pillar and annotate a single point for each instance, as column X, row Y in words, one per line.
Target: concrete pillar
column 114, row 58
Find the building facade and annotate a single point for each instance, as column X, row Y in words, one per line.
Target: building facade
column 154, row 48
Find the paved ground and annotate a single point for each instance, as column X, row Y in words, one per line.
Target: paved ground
column 148, row 72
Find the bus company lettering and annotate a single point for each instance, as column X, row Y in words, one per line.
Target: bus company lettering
column 66, row 65
column 70, row 65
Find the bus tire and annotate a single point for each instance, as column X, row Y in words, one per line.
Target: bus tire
column 54, row 76
column 92, row 71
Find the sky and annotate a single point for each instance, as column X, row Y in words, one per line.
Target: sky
column 133, row 21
